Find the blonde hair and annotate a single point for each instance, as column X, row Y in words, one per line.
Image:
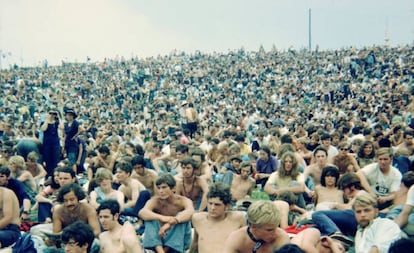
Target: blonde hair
column 364, row 200
column 385, row 151
column 33, row 156
column 18, row 161
column 263, row 212
column 103, row 173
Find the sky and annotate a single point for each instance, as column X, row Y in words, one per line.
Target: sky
column 32, row 31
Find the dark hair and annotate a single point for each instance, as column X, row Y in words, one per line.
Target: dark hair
column 403, row 245
column 289, row 248
column 76, row 188
column 110, row 204
column 325, row 136
column 266, row 149
column 4, row 170
column 166, row 179
column 124, row 166
column 68, row 170
column 320, row 148
column 348, row 180
column 80, row 232
column 329, row 171
column 181, row 148
column 189, row 160
column 286, row 138
column 221, row 191
column 138, row 160
column 104, row 149
column 288, row 197
column 198, row 152
column 408, row 179
column 361, row 150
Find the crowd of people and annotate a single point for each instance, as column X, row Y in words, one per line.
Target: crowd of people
column 278, row 151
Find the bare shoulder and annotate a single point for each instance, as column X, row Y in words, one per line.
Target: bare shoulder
column 197, row 217
column 236, row 215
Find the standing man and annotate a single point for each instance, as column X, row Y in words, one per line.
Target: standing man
column 9, row 218
column 381, row 179
column 72, row 130
column 167, row 217
column 116, row 238
column 213, row 227
column 262, row 235
column 191, row 118
column 192, row 186
column 374, row 234
column 72, row 209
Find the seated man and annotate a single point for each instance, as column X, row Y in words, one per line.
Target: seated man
column 406, row 218
column 374, row 234
column 243, row 185
column 213, row 227
column 73, row 210
column 9, row 218
column 192, row 186
column 77, row 237
column 262, row 235
column 166, row 218
column 117, row 238
column 146, row 176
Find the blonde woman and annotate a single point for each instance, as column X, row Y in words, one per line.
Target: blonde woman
column 18, row 171
column 104, row 189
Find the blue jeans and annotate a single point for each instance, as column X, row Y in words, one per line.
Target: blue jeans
column 332, row 221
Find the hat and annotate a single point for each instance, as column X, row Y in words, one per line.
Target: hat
column 71, row 111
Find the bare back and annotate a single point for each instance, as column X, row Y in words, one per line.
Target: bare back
column 9, row 206
column 212, row 234
column 240, row 242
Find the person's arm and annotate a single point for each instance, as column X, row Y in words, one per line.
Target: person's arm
column 306, row 174
column 147, row 212
column 188, row 211
column 57, row 222
column 354, row 163
column 93, row 220
column 42, row 172
column 24, row 176
column 134, row 195
column 80, row 151
column 402, row 218
column 120, row 197
column 269, row 186
column 92, row 199
column 232, row 244
column 364, row 183
column 204, row 187
column 194, row 242
column 7, row 209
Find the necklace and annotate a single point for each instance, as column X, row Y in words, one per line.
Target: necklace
column 258, row 244
column 188, row 193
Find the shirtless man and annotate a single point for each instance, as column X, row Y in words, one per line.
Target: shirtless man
column 116, row 238
column 192, row 186
column 243, row 185
column 315, row 170
column 73, row 210
column 191, row 118
column 310, row 240
column 134, row 191
column 213, row 227
column 145, row 176
column 166, row 218
column 262, row 235
column 9, row 217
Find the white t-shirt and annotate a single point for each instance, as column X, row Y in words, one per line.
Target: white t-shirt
column 382, row 185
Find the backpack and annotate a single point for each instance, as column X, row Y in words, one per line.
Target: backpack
column 24, row 244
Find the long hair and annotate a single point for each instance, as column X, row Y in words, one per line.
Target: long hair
column 295, row 166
